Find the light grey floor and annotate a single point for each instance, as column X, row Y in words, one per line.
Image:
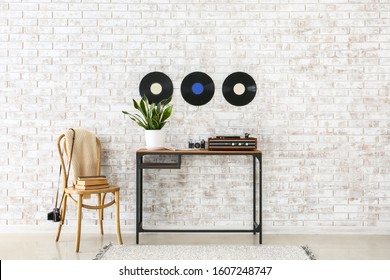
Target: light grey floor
column 41, row 246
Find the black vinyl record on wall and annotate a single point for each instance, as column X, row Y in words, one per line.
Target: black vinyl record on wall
column 197, row 88
column 239, row 89
column 156, row 86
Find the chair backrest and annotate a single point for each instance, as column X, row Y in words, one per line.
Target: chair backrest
column 63, row 152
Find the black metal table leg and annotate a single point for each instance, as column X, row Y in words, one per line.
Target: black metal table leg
column 260, row 199
column 139, row 191
column 254, row 195
column 136, row 199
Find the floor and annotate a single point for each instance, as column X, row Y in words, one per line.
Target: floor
column 42, row 246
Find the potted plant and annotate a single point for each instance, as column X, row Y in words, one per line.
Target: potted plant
column 152, row 118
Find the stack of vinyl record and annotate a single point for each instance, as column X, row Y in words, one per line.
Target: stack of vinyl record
column 91, row 182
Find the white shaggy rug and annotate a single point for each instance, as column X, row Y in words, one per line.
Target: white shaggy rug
column 204, row 252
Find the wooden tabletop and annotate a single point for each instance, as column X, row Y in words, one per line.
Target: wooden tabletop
column 198, row 152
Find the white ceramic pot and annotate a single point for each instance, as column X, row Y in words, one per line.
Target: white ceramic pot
column 155, row 139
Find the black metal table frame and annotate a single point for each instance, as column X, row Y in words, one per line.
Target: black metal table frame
column 140, row 165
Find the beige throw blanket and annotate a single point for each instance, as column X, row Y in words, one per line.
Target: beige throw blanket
column 84, row 159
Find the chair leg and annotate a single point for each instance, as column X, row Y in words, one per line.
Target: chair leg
column 103, row 199
column 62, row 218
column 79, row 217
column 100, row 210
column 118, row 226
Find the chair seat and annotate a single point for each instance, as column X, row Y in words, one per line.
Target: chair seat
column 109, row 189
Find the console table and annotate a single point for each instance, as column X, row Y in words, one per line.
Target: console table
column 141, row 165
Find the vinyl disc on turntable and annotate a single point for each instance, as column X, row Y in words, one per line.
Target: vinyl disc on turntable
column 156, row 86
column 197, row 88
column 239, row 89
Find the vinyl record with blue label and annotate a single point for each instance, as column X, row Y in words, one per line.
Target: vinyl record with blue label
column 239, row 89
column 197, row 88
column 156, row 86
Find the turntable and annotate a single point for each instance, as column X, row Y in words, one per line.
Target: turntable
column 232, row 143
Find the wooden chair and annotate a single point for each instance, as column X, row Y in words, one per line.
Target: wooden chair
column 70, row 191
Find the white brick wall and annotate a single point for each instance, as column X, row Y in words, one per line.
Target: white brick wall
column 321, row 112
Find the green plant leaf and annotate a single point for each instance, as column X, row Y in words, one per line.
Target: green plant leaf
column 138, row 122
column 165, row 102
column 155, row 124
column 162, row 124
column 143, row 108
column 145, row 99
column 139, row 119
column 135, row 104
column 152, row 110
column 159, row 107
column 167, row 113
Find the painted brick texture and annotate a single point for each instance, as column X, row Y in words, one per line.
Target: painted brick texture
column 321, row 112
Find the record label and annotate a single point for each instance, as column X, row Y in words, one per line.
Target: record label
column 239, row 89
column 197, row 88
column 156, row 86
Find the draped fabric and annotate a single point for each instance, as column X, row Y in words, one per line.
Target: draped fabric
column 85, row 150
